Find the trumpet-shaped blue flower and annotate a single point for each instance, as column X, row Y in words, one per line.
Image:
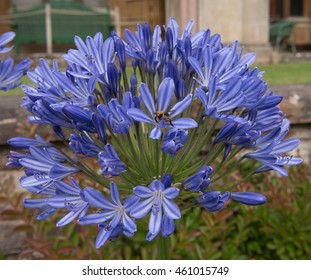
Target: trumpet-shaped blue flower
column 157, row 200
column 272, row 156
column 173, row 141
column 10, row 74
column 4, row 39
column 44, row 165
column 160, row 116
column 213, row 200
column 60, row 196
column 26, row 143
column 217, row 105
column 116, row 116
column 83, row 145
column 92, row 57
column 200, row 180
column 70, row 197
column 112, row 218
column 111, row 165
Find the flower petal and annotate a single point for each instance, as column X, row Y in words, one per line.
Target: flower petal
column 171, row 192
column 165, row 94
column 155, row 133
column 181, row 106
column 184, row 123
column 68, row 218
column 97, row 199
column 155, row 220
column 114, row 193
column 147, row 98
column 102, row 237
column 142, row 208
column 171, row 209
column 96, row 218
column 143, row 192
column 157, row 185
column 130, row 202
column 128, row 224
column 140, row 116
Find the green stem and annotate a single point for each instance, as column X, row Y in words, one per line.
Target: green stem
column 162, row 248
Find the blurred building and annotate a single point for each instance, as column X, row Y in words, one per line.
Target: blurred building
column 248, row 21
column 298, row 12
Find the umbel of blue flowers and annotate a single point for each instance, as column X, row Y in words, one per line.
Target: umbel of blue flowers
column 156, row 124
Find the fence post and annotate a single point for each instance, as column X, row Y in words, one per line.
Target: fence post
column 48, row 29
column 117, row 20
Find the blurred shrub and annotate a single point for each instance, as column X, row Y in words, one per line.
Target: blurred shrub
column 278, row 230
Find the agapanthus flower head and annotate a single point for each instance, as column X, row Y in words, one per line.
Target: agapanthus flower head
column 167, row 114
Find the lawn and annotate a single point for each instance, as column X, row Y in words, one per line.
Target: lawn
column 275, row 74
column 287, row 73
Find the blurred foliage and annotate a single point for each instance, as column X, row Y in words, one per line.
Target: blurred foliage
column 278, row 230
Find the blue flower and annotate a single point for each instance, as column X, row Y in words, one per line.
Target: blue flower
column 70, row 197
column 60, row 196
column 213, row 200
column 157, row 200
column 4, row 39
column 45, row 211
column 217, row 105
column 116, row 116
column 173, row 141
column 79, row 118
column 200, row 180
column 111, row 165
column 10, row 74
column 112, row 218
column 224, row 62
column 44, row 166
column 161, row 117
column 272, row 157
column 26, row 143
column 83, row 145
column 138, row 46
column 92, row 57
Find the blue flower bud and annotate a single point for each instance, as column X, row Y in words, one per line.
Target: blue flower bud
column 249, row 198
column 119, row 45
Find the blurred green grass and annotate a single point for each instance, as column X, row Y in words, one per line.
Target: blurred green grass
column 275, row 74
column 287, row 73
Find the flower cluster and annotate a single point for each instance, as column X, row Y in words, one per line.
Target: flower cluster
column 10, row 74
column 165, row 120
